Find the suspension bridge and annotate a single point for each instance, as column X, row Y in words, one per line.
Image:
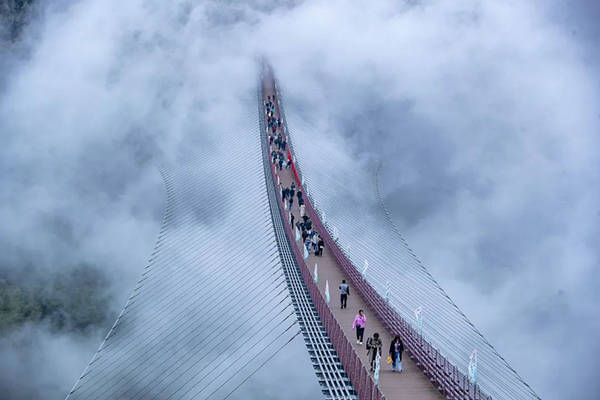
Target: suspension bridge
column 222, row 296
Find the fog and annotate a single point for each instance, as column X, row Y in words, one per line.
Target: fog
column 483, row 116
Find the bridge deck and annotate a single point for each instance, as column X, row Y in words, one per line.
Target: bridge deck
column 411, row 383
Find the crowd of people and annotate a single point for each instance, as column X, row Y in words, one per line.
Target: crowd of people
column 374, row 344
column 277, row 142
column 280, row 158
column 314, row 242
column 310, row 237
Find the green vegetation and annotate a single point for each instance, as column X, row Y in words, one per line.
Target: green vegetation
column 70, row 301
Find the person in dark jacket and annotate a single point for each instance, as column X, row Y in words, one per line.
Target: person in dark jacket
column 374, row 346
column 304, row 235
column 285, row 193
column 344, row 292
column 396, row 349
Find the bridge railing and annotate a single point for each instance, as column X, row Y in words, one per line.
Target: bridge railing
column 446, row 377
column 358, row 374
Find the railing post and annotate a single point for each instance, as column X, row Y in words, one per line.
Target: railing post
column 361, row 385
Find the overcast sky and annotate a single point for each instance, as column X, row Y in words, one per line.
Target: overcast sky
column 485, row 117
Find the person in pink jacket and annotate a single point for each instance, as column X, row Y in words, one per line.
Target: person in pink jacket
column 359, row 323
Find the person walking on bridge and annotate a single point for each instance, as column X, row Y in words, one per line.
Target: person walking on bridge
column 300, row 202
column 344, row 292
column 304, row 235
column 374, row 345
column 359, row 324
column 315, row 242
column 284, row 194
column 396, row 349
column 320, row 246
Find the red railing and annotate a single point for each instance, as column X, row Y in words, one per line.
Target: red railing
column 358, row 374
column 448, row 379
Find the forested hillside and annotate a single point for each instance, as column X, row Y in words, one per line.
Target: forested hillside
column 70, row 300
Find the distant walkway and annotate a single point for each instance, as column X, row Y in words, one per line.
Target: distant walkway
column 411, row 383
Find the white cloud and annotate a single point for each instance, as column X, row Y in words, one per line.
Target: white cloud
column 484, row 114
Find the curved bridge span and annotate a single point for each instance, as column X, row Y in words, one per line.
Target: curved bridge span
column 185, row 333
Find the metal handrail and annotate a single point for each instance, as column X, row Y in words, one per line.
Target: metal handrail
column 446, row 377
column 360, row 378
